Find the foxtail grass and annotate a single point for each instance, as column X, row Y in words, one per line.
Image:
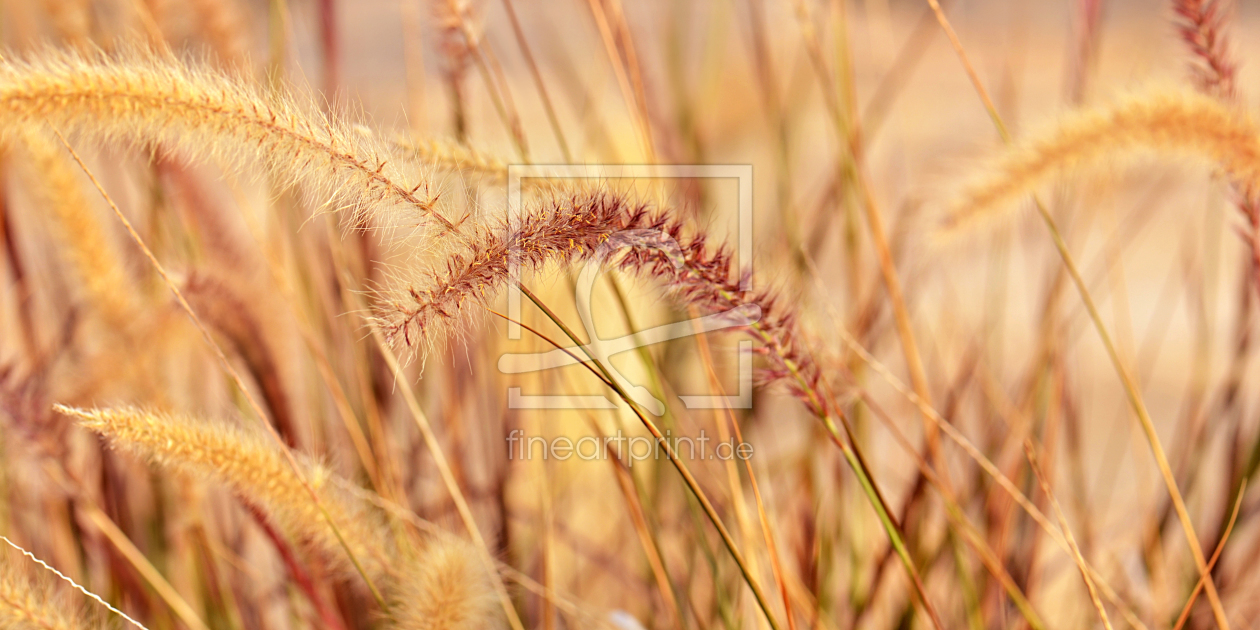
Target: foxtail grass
column 1175, row 123
column 255, row 470
column 233, row 317
column 594, row 226
column 438, row 585
column 446, row 588
column 1136, row 403
column 149, row 99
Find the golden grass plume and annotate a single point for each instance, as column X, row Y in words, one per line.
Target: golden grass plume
column 446, row 588
column 1166, row 122
column 257, row 473
column 27, row 603
column 145, row 99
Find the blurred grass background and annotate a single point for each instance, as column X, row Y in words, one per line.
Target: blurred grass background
column 1008, row 349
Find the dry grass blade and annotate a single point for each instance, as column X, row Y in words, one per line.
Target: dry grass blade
column 855, row 168
column 430, row 439
column 335, row 221
column 422, row 422
column 1216, row 555
column 972, row 452
column 1230, row 145
column 1067, row 534
column 142, row 565
column 985, row 464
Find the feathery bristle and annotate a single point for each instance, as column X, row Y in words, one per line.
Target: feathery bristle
column 256, row 472
column 28, row 604
column 565, row 229
column 572, row 229
column 446, row 588
column 144, row 99
column 1170, row 123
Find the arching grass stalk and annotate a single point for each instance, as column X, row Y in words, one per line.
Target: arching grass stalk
column 658, row 245
column 851, row 457
column 678, row 464
column 958, row 519
column 1130, row 386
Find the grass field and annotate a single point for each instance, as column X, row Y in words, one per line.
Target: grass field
column 489, row 314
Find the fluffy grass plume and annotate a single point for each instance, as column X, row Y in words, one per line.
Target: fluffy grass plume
column 595, row 225
column 441, row 587
column 146, row 99
column 27, row 603
column 1165, row 122
column 255, row 471
column 442, row 301
column 446, row 588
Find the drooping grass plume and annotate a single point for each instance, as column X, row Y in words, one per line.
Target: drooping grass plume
column 428, row 311
column 446, row 588
column 441, row 585
column 255, row 471
column 592, row 225
column 146, row 99
column 56, row 185
column 1165, row 122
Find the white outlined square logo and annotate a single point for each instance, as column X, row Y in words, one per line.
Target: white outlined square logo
column 601, row 349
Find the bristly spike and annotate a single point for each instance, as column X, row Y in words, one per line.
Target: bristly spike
column 581, row 228
column 150, row 99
